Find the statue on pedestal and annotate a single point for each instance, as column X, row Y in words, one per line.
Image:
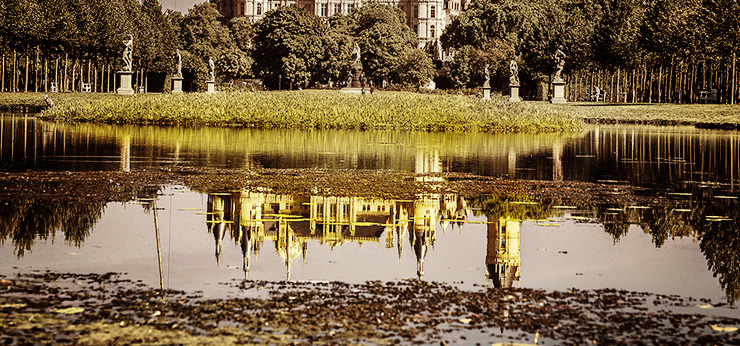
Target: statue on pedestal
column 559, row 64
column 514, row 68
column 128, row 48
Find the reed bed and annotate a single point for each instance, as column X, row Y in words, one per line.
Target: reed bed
column 321, row 109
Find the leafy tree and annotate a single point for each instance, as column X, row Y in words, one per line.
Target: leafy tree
column 386, row 43
column 288, row 47
column 202, row 35
column 242, row 32
column 532, row 29
column 415, row 68
column 155, row 38
column 336, row 64
column 617, row 34
column 234, row 63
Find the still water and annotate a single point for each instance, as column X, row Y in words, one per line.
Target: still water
column 688, row 247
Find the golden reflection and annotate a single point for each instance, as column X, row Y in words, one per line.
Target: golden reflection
column 503, row 257
column 291, row 222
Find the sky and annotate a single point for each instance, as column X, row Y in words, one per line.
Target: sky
column 180, row 5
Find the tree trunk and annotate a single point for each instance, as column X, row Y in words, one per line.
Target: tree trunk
column 46, row 75
column 89, row 80
column 14, row 87
column 732, row 92
column 660, row 81
column 66, row 68
column 25, row 79
column 2, row 82
column 56, row 72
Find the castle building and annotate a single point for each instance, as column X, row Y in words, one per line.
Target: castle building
column 427, row 18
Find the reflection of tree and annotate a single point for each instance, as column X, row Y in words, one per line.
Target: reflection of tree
column 495, row 207
column 26, row 221
column 719, row 241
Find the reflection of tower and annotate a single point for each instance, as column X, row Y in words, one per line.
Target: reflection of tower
column 503, row 259
column 511, row 159
column 428, row 163
column 426, row 210
column 248, row 215
column 218, row 214
column 287, row 246
column 557, row 161
column 126, row 153
column 401, row 225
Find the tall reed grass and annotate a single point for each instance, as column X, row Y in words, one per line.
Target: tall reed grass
column 318, row 109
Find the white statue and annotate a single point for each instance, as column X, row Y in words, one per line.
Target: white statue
column 212, row 69
column 559, row 64
column 356, row 55
column 179, row 64
column 127, row 53
column 514, row 68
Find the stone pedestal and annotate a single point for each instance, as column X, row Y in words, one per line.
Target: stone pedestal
column 486, row 93
column 124, row 86
column 558, row 92
column 177, row 85
column 211, row 87
column 514, row 88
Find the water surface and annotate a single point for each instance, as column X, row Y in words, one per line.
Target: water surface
column 216, row 237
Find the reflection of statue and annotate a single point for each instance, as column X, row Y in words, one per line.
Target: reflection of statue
column 559, row 63
column 356, row 55
column 514, row 68
column 127, row 53
column 212, row 69
column 178, row 73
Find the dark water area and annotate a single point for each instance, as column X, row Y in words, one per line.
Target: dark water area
column 639, row 155
column 686, row 247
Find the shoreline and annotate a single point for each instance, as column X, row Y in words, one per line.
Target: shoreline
column 92, row 309
column 329, row 109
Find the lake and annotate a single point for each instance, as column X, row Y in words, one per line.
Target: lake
column 210, row 240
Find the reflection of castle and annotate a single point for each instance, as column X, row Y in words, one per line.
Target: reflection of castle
column 291, row 222
column 503, row 260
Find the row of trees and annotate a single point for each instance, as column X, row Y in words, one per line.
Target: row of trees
column 76, row 43
column 637, row 50
column 644, row 50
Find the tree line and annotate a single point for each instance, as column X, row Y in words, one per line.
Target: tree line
column 75, row 44
column 635, row 50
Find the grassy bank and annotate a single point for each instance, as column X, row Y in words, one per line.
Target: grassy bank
column 700, row 115
column 333, row 109
column 316, row 109
column 22, row 102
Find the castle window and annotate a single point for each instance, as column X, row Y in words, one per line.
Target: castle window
column 337, row 8
column 433, row 12
column 416, row 29
column 324, row 10
column 416, row 11
column 259, row 9
column 431, row 31
column 350, row 8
